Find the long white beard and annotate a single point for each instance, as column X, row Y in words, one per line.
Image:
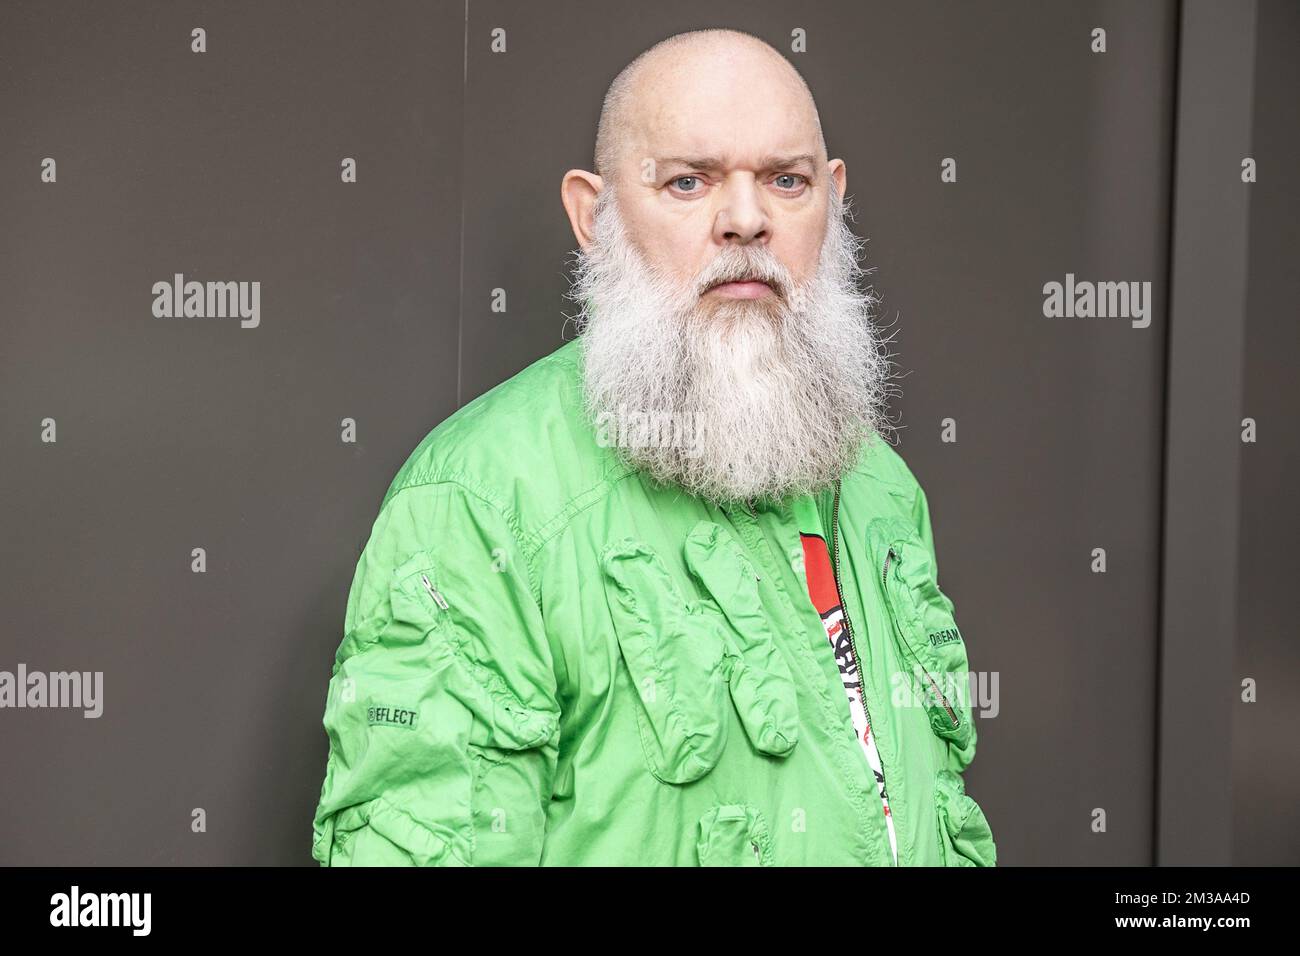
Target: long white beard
column 739, row 400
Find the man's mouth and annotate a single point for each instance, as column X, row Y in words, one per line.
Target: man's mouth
column 747, row 288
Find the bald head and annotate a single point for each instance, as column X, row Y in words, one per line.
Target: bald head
column 726, row 62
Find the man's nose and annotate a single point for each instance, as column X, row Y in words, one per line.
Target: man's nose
column 742, row 217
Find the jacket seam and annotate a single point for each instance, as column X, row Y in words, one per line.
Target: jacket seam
column 530, row 543
column 556, row 525
column 507, row 515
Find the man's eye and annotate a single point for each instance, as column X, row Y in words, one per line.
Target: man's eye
column 794, row 176
column 682, row 179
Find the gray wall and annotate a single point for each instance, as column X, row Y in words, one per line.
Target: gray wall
column 175, row 434
column 1265, row 768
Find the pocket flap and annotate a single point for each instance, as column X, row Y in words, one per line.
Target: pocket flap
column 674, row 654
column 759, row 677
column 924, row 628
column 964, row 831
column 734, row 835
column 405, row 839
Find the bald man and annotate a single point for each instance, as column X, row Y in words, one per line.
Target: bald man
column 667, row 597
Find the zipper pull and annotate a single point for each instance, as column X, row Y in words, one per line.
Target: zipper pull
column 442, row 603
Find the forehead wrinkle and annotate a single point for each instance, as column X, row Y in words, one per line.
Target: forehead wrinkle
column 714, row 163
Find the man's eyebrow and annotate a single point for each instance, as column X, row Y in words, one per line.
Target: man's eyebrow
column 710, row 164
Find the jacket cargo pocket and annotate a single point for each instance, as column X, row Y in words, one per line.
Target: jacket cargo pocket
column 925, row 631
column 384, row 835
column 734, row 835
column 965, row 838
column 414, row 608
column 673, row 650
column 757, row 674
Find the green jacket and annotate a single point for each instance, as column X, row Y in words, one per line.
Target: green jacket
column 549, row 659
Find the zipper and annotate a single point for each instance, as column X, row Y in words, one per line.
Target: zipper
column 884, row 581
column 433, row 592
column 848, row 625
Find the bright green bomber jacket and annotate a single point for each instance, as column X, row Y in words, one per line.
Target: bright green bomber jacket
column 549, row 659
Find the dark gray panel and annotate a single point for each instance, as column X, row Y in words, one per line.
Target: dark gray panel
column 183, row 433
column 1216, row 76
column 1265, row 768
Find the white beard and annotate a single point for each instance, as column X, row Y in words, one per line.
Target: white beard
column 760, row 398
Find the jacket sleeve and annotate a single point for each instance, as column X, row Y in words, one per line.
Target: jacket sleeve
column 959, row 758
column 441, row 713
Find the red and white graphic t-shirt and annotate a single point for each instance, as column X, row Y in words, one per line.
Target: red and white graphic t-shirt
column 825, row 597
